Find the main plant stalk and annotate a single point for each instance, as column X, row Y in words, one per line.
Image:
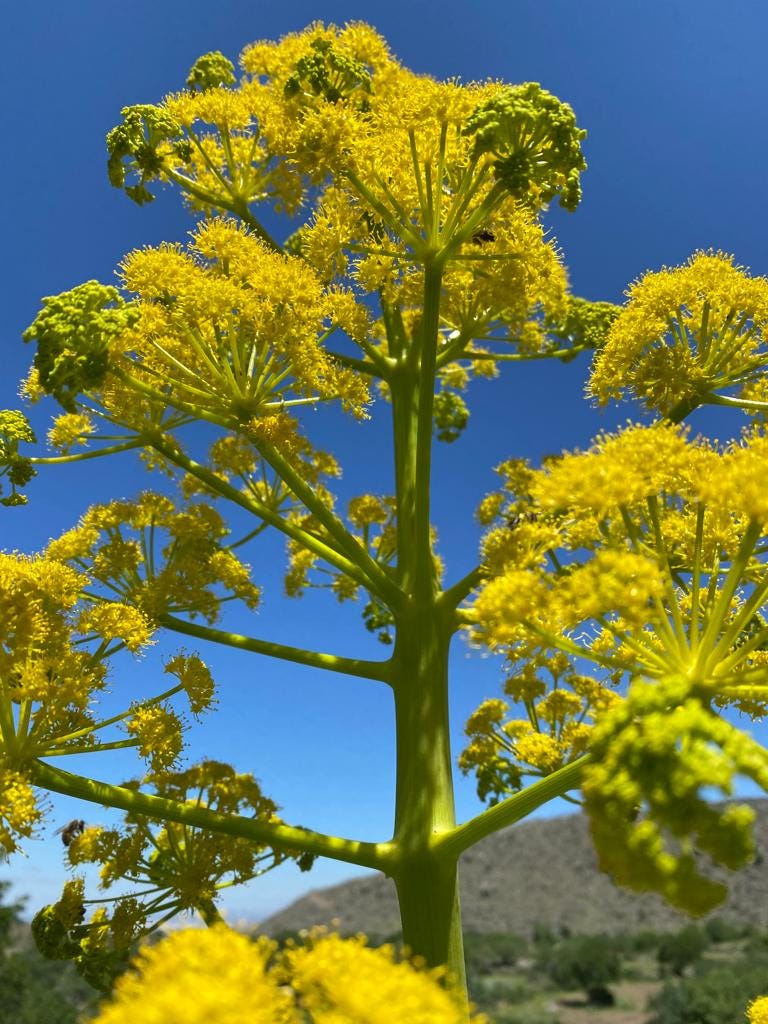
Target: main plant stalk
column 426, row 880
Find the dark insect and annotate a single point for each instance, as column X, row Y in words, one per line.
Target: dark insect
column 521, row 517
column 482, row 236
column 71, row 831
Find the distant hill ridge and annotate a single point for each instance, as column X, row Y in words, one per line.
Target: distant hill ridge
column 542, row 872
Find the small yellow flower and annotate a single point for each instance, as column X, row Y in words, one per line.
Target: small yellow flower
column 757, row 1011
column 196, row 678
column 19, row 810
column 69, row 430
column 158, row 732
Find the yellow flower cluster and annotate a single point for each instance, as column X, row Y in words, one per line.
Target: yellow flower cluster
column 47, row 677
column 405, row 165
column 19, row 809
column 685, row 335
column 170, row 868
column 757, row 1011
column 644, row 555
column 70, row 429
column 220, row 975
column 561, row 707
column 235, row 328
column 118, row 545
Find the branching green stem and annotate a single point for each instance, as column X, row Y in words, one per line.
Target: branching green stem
column 377, row 670
column 225, row 490
column 512, row 809
column 281, row 837
column 54, row 460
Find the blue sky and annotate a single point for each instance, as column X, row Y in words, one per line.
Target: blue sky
column 673, row 95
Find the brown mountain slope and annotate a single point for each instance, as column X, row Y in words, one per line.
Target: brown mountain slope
column 541, row 872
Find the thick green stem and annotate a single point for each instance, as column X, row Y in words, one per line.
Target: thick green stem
column 426, row 878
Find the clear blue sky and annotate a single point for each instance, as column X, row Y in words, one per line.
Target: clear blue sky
column 673, row 95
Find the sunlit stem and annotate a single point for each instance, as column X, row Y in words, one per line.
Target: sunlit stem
column 660, row 624
column 53, row 460
column 7, row 725
column 735, row 403
column 378, row 670
column 678, row 634
column 645, row 653
column 208, row 162
column 436, row 232
column 347, row 542
column 64, row 751
column 402, row 228
column 704, row 335
column 740, row 622
column 237, row 206
column 382, row 364
column 693, row 631
column 425, row 212
column 460, row 590
column 727, row 351
column 97, row 726
column 722, row 605
column 279, row 836
column 724, row 667
column 218, row 486
column 25, row 713
column 467, row 191
column 354, row 364
column 475, row 219
column 426, row 352
column 513, row 809
column 562, row 643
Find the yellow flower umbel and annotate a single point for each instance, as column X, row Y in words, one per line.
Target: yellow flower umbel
column 221, row 976
column 757, row 1011
column 401, row 168
column 195, row 977
column 646, row 557
column 690, row 335
column 170, row 869
column 119, row 546
column 48, row 677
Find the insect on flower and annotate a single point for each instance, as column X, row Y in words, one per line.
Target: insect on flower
column 71, row 831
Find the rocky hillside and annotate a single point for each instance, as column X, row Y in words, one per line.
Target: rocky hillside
column 540, row 872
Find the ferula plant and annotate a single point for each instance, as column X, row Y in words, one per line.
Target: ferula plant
column 624, row 586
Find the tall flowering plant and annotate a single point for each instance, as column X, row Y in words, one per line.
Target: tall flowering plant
column 625, row 586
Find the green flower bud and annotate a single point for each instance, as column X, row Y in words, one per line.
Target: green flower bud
column 584, row 325
column 327, row 73
column 15, row 429
column 73, row 331
column 451, row 415
column 133, row 146
column 209, row 71
column 536, row 141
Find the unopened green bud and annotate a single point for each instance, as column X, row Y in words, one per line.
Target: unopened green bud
column 133, row 146
column 73, row 331
column 211, row 70
column 536, row 142
column 15, row 429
